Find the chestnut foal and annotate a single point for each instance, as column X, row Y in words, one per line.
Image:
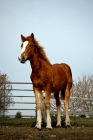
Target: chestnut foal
column 47, row 77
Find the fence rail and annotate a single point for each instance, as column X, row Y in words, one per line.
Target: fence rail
column 4, row 89
column 80, row 98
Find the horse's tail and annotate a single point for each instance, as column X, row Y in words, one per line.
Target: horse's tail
column 62, row 94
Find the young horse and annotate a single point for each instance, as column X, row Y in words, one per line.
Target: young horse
column 46, row 77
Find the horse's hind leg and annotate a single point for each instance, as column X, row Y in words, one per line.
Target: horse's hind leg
column 66, row 104
column 56, row 95
column 47, row 106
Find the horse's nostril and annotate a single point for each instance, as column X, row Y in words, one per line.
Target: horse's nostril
column 23, row 58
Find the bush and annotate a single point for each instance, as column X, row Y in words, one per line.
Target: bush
column 18, row 115
column 83, row 116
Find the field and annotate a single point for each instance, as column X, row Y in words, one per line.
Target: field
column 23, row 129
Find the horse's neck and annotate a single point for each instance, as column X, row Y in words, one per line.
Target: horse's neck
column 35, row 63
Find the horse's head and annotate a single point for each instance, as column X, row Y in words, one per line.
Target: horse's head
column 26, row 48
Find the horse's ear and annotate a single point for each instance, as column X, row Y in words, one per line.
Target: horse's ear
column 32, row 36
column 23, row 38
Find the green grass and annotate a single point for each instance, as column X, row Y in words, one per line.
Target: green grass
column 75, row 121
column 17, row 121
column 79, row 121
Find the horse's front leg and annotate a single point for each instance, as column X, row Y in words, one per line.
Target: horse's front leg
column 37, row 93
column 47, row 107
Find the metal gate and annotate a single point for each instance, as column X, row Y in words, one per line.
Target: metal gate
column 16, row 96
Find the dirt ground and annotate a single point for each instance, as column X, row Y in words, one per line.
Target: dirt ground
column 30, row 133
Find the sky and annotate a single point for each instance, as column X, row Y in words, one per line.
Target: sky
column 63, row 27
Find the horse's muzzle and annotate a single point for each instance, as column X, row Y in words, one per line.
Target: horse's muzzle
column 22, row 59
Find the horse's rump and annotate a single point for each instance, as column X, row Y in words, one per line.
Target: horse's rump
column 61, row 77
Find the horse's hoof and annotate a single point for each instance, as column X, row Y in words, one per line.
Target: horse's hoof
column 68, row 126
column 39, row 129
column 49, row 128
column 58, row 126
column 36, row 128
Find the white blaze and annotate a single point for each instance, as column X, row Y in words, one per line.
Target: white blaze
column 23, row 48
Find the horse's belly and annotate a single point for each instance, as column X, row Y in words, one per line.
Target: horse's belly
column 59, row 85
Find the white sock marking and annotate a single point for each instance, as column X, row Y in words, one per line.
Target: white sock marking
column 38, row 125
column 48, row 119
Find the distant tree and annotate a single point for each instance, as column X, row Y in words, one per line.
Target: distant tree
column 18, row 115
column 83, row 88
column 5, row 94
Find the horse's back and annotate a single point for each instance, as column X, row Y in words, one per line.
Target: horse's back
column 63, row 68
